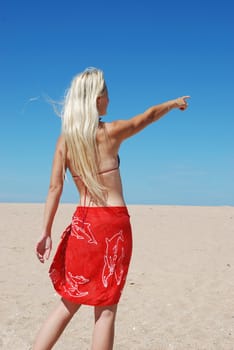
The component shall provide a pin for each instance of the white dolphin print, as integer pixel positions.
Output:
(82, 230)
(113, 259)
(74, 282)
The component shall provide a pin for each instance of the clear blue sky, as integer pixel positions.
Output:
(150, 51)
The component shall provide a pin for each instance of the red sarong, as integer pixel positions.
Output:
(92, 260)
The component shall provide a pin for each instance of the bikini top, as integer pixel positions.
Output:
(106, 171)
(115, 168)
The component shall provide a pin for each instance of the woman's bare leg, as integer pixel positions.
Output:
(103, 335)
(54, 325)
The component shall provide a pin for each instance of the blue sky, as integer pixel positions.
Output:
(150, 51)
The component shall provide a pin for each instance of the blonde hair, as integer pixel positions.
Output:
(80, 119)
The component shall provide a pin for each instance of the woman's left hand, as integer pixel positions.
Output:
(43, 248)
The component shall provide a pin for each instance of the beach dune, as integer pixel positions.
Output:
(179, 293)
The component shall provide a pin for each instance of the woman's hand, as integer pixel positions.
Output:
(181, 102)
(43, 248)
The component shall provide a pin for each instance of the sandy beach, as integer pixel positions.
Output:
(180, 289)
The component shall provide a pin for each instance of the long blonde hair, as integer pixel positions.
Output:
(80, 119)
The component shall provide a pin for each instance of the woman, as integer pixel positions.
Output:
(91, 263)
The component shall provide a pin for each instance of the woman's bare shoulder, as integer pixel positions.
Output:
(120, 128)
(61, 146)
(61, 143)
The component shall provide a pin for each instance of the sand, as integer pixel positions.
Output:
(180, 289)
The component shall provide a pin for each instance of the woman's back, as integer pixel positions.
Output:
(108, 169)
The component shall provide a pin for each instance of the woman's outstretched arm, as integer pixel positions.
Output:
(122, 129)
(44, 245)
